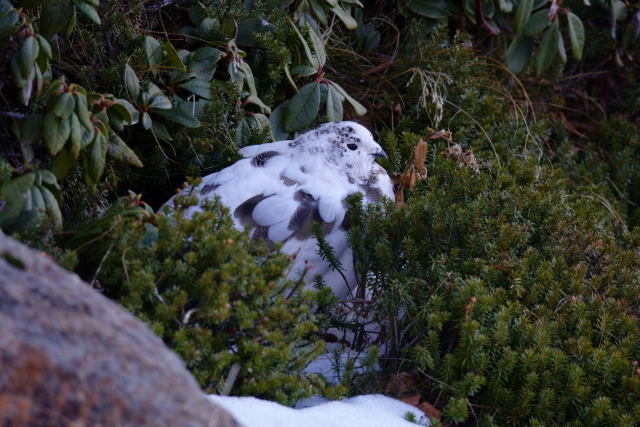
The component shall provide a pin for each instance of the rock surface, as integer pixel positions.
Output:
(71, 357)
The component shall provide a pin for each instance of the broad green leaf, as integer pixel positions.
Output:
(76, 136)
(28, 54)
(153, 49)
(318, 47)
(64, 106)
(576, 35)
(434, 9)
(161, 131)
(28, 129)
(345, 17)
(62, 164)
(55, 16)
(146, 120)
(45, 47)
(537, 23)
(334, 105)
(173, 58)
(89, 11)
(53, 133)
(82, 110)
(159, 102)
(179, 116)
(97, 157)
(519, 52)
(121, 151)
(132, 114)
(19, 79)
(562, 51)
(313, 60)
(198, 87)
(13, 193)
(252, 99)
(243, 133)
(523, 13)
(303, 70)
(302, 108)
(319, 11)
(52, 207)
(357, 107)
(132, 82)
(548, 48)
(276, 120)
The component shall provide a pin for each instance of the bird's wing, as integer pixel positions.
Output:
(252, 150)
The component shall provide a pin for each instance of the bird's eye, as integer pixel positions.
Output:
(352, 146)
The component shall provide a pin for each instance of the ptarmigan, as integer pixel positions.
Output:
(279, 189)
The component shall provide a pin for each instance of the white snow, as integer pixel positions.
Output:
(374, 410)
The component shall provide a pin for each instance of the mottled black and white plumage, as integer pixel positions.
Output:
(279, 189)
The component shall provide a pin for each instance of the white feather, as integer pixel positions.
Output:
(287, 184)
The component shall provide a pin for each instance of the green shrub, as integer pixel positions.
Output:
(215, 296)
(511, 297)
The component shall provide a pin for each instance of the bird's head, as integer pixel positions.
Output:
(348, 146)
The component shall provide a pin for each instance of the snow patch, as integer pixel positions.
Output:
(374, 410)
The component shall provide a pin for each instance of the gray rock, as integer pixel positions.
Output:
(71, 357)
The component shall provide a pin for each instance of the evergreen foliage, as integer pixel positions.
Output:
(216, 298)
(511, 297)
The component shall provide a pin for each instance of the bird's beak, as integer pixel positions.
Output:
(380, 154)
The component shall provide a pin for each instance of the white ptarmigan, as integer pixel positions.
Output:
(279, 189)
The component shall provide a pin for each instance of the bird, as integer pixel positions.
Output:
(278, 189)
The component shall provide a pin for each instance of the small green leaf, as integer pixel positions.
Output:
(64, 106)
(179, 116)
(52, 207)
(153, 49)
(146, 120)
(62, 164)
(55, 16)
(313, 60)
(121, 151)
(160, 131)
(537, 23)
(173, 57)
(576, 35)
(29, 129)
(276, 120)
(89, 11)
(318, 47)
(334, 105)
(303, 70)
(243, 133)
(54, 133)
(302, 108)
(28, 54)
(434, 9)
(97, 157)
(345, 17)
(523, 13)
(14, 193)
(357, 107)
(519, 52)
(159, 102)
(76, 136)
(132, 82)
(198, 87)
(548, 48)
(562, 51)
